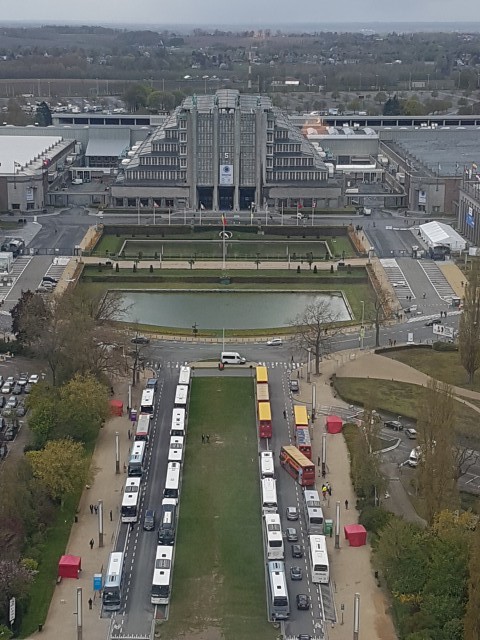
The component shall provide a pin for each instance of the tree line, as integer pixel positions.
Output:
(74, 335)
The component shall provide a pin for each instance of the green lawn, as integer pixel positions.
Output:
(403, 399)
(219, 563)
(206, 245)
(444, 366)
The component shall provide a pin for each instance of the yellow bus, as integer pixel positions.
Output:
(263, 394)
(261, 374)
(300, 415)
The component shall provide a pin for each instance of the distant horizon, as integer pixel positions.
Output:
(379, 26)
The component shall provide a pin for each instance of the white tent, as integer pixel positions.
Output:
(439, 234)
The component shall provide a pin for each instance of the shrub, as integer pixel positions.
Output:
(373, 518)
(444, 346)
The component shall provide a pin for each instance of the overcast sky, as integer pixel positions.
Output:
(254, 12)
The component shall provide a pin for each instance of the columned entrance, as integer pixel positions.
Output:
(225, 198)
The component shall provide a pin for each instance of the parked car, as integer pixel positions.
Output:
(2, 402)
(140, 340)
(28, 387)
(12, 401)
(297, 551)
(430, 323)
(303, 601)
(17, 389)
(20, 410)
(49, 279)
(1, 381)
(292, 535)
(34, 378)
(23, 379)
(275, 342)
(411, 434)
(296, 573)
(292, 513)
(10, 380)
(396, 425)
(294, 386)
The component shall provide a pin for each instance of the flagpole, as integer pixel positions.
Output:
(313, 210)
(153, 213)
(282, 213)
(138, 210)
(223, 243)
(169, 212)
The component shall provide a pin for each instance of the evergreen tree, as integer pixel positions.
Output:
(44, 115)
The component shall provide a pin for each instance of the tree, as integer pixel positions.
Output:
(43, 115)
(471, 621)
(43, 416)
(380, 97)
(392, 107)
(83, 407)
(469, 331)
(14, 582)
(136, 96)
(61, 467)
(314, 329)
(437, 471)
(29, 317)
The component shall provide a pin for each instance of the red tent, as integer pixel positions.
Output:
(69, 566)
(334, 424)
(356, 534)
(116, 407)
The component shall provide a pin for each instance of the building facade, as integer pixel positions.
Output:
(227, 151)
(468, 219)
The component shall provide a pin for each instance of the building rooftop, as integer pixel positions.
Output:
(227, 99)
(24, 154)
(445, 152)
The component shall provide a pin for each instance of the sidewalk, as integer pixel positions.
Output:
(351, 569)
(105, 485)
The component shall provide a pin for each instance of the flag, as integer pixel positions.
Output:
(224, 222)
(314, 203)
(202, 208)
(474, 166)
(155, 204)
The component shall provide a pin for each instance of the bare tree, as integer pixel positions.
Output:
(314, 329)
(437, 469)
(102, 307)
(463, 460)
(469, 333)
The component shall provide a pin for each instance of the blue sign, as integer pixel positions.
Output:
(469, 217)
(97, 582)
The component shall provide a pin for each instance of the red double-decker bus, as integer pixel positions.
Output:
(264, 420)
(304, 444)
(298, 465)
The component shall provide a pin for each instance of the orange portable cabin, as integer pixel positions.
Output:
(304, 444)
(334, 424)
(264, 420)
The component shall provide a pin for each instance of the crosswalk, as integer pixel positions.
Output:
(7, 282)
(56, 269)
(288, 366)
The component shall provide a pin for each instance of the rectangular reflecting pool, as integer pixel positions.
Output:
(229, 309)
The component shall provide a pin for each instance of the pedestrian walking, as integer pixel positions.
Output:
(111, 516)
(95, 508)
(329, 488)
(424, 295)
(129, 434)
(131, 526)
(346, 505)
(91, 508)
(90, 603)
(323, 472)
(284, 414)
(112, 391)
(91, 543)
(124, 468)
(208, 438)
(394, 343)
(203, 438)
(318, 461)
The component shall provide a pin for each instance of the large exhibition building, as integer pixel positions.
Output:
(226, 151)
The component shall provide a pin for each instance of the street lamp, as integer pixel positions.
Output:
(362, 327)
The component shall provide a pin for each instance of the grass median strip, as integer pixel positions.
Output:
(219, 564)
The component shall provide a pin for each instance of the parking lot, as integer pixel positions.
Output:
(17, 378)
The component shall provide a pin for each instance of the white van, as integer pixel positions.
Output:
(231, 357)
(267, 467)
(414, 458)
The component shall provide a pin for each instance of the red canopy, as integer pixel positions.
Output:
(116, 407)
(334, 424)
(356, 534)
(69, 566)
